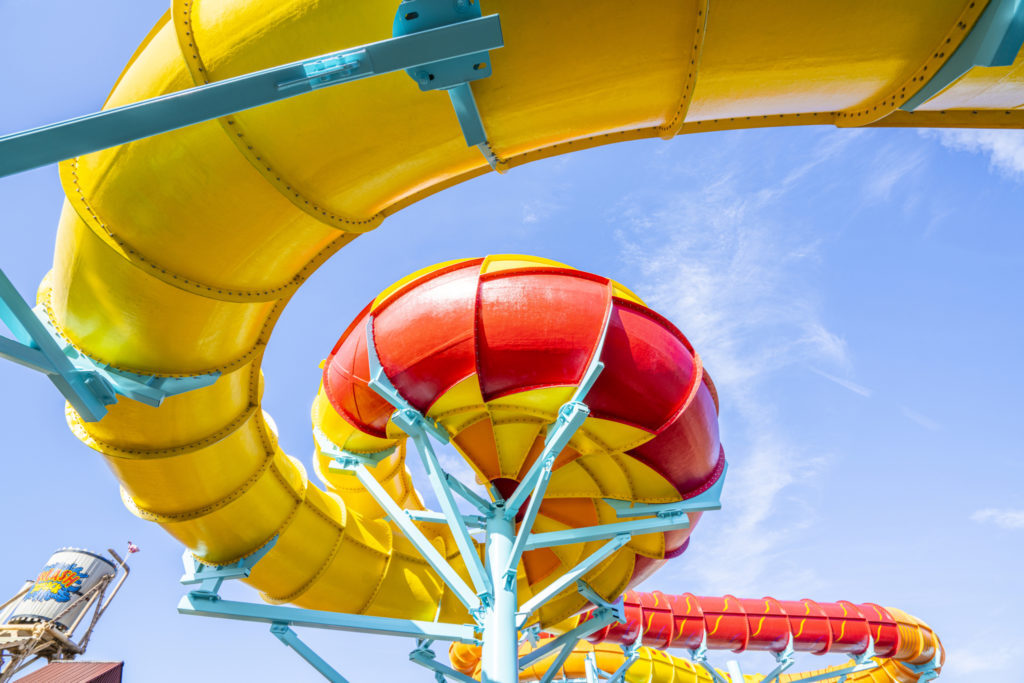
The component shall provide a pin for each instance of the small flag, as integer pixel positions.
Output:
(132, 548)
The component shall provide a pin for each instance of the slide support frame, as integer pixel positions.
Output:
(491, 592)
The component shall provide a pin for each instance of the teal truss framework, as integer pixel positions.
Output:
(499, 620)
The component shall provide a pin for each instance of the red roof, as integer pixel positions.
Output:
(76, 672)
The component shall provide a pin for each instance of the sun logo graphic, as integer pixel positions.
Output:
(58, 582)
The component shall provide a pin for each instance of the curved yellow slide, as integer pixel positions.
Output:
(176, 254)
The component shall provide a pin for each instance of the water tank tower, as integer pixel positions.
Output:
(73, 588)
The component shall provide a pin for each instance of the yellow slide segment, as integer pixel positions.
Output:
(176, 254)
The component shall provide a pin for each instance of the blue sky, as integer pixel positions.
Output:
(856, 295)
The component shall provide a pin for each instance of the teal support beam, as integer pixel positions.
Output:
(708, 500)
(25, 355)
(564, 430)
(211, 577)
(571, 576)
(555, 668)
(472, 522)
(783, 661)
(334, 621)
(590, 668)
(839, 675)
(632, 652)
(88, 385)
(456, 522)
(656, 518)
(287, 636)
(468, 494)
(602, 532)
(699, 656)
(58, 141)
(453, 75)
(928, 671)
(570, 419)
(419, 428)
(472, 125)
(602, 617)
(35, 348)
(500, 663)
(440, 565)
(406, 416)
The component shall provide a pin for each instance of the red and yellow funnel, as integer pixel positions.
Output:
(491, 348)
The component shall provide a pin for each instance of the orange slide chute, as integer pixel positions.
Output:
(897, 641)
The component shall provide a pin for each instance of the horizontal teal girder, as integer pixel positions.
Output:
(49, 144)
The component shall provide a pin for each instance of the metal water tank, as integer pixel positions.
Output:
(69, 574)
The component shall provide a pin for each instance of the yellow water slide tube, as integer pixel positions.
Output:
(176, 254)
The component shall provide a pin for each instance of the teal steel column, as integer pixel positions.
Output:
(500, 662)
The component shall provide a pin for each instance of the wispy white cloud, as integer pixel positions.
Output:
(829, 345)
(539, 210)
(844, 383)
(892, 166)
(1005, 518)
(926, 422)
(729, 277)
(1005, 148)
(828, 148)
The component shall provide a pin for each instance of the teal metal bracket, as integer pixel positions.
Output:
(211, 577)
(425, 656)
(346, 460)
(783, 661)
(866, 661)
(422, 48)
(606, 614)
(862, 662)
(711, 499)
(631, 652)
(595, 675)
(699, 656)
(928, 671)
(452, 75)
(570, 577)
(88, 385)
(995, 40)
